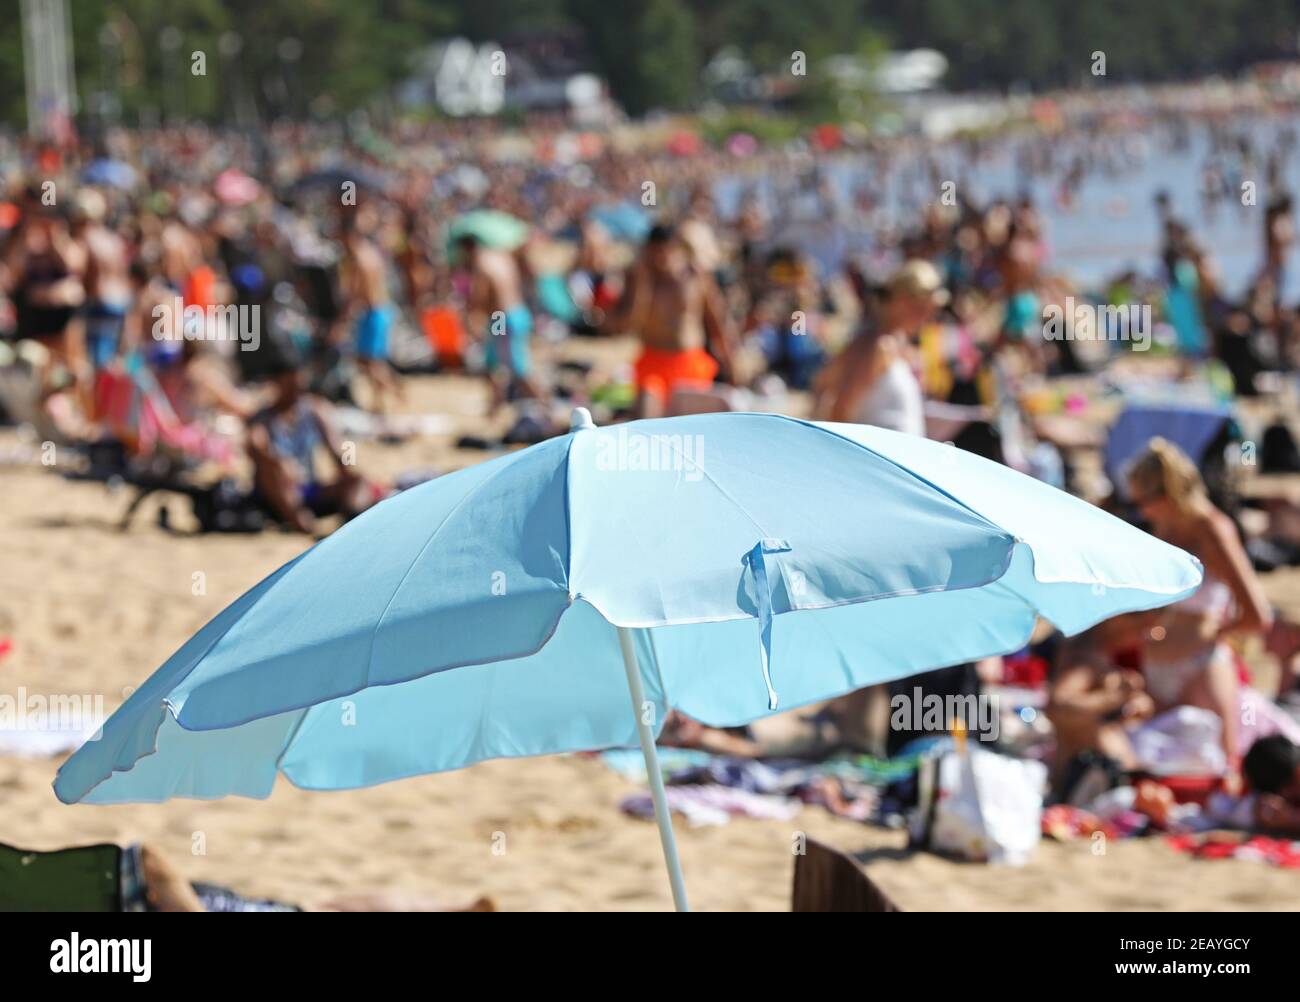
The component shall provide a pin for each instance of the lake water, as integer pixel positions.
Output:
(1112, 223)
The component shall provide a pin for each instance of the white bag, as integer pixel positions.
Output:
(980, 806)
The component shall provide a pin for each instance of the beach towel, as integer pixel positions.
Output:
(1260, 849)
(1183, 741)
(712, 804)
(1260, 717)
(630, 763)
(847, 786)
(41, 743)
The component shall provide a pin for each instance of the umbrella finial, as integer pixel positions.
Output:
(580, 419)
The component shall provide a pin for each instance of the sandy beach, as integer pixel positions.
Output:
(93, 610)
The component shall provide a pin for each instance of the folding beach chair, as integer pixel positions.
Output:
(827, 880)
(98, 878)
(85, 878)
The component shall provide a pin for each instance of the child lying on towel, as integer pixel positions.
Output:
(1272, 770)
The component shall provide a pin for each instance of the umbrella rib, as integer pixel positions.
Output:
(293, 735)
(820, 426)
(676, 447)
(897, 465)
(472, 492)
(568, 515)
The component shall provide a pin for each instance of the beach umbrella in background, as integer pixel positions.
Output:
(492, 228)
(1193, 422)
(334, 177)
(741, 144)
(567, 596)
(827, 137)
(684, 143)
(110, 173)
(235, 188)
(625, 221)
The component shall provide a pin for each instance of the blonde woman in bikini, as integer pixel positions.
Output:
(1184, 656)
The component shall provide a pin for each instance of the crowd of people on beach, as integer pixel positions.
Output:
(199, 310)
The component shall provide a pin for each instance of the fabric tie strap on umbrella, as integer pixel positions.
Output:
(763, 592)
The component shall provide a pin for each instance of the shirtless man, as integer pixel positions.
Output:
(677, 310)
(182, 253)
(496, 306)
(365, 290)
(105, 276)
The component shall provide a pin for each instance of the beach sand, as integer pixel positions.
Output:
(93, 610)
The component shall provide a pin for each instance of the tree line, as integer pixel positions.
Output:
(326, 56)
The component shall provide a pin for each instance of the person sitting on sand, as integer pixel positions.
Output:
(1092, 701)
(283, 439)
(1184, 657)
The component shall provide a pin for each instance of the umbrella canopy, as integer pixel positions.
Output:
(741, 144)
(491, 227)
(625, 221)
(729, 564)
(334, 177)
(234, 187)
(109, 172)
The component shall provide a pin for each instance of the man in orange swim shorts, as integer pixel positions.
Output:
(677, 310)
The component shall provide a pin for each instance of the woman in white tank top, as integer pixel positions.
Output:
(873, 383)
(893, 400)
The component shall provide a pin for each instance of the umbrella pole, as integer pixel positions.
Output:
(662, 816)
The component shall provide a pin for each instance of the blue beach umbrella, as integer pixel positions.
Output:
(333, 176)
(725, 565)
(110, 173)
(623, 221)
(491, 227)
